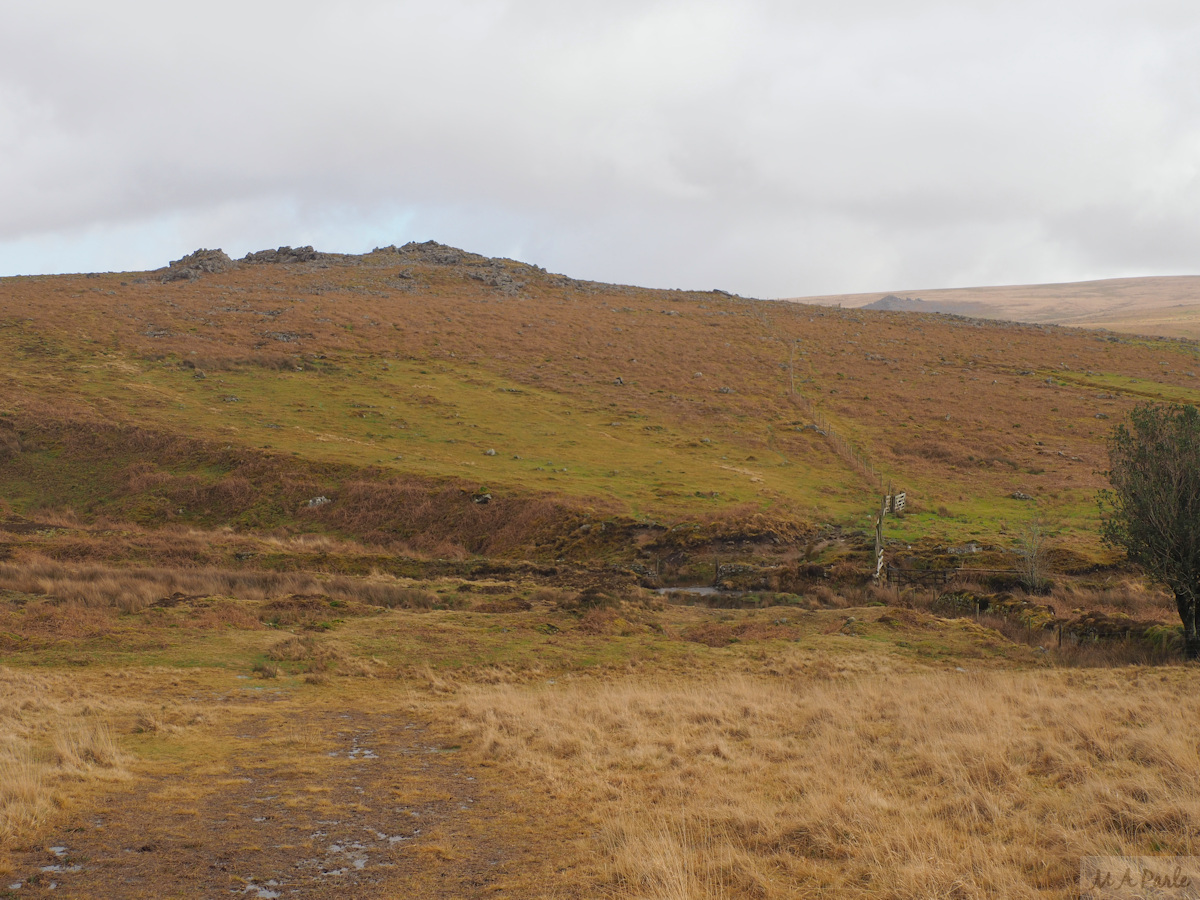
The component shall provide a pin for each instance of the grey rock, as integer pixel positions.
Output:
(282, 255)
(433, 253)
(197, 263)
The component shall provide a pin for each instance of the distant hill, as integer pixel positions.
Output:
(1161, 305)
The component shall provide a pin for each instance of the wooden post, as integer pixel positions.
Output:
(879, 539)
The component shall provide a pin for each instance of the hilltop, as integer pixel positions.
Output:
(449, 404)
(1164, 305)
(390, 575)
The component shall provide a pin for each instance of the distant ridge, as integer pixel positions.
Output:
(893, 303)
(1167, 305)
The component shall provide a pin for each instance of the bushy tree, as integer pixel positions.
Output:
(1153, 509)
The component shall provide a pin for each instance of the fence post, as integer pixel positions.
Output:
(879, 539)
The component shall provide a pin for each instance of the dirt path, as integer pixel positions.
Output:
(370, 806)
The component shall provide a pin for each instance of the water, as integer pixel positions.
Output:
(262, 893)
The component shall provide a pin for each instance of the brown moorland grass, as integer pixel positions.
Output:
(420, 379)
(97, 587)
(875, 784)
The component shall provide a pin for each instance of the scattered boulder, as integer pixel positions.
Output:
(197, 263)
(495, 276)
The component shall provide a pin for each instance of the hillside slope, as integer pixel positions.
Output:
(464, 404)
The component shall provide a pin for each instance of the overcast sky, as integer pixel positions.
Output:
(769, 148)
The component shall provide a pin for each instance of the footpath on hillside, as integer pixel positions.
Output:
(377, 806)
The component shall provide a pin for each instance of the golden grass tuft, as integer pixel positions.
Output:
(85, 746)
(25, 799)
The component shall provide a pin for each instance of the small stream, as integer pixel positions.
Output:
(700, 591)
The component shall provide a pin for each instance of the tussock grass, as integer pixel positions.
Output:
(943, 784)
(129, 589)
(1123, 597)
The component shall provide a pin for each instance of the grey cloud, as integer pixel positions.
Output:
(767, 147)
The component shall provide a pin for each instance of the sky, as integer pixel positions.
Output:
(769, 148)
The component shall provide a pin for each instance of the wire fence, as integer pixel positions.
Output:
(846, 451)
